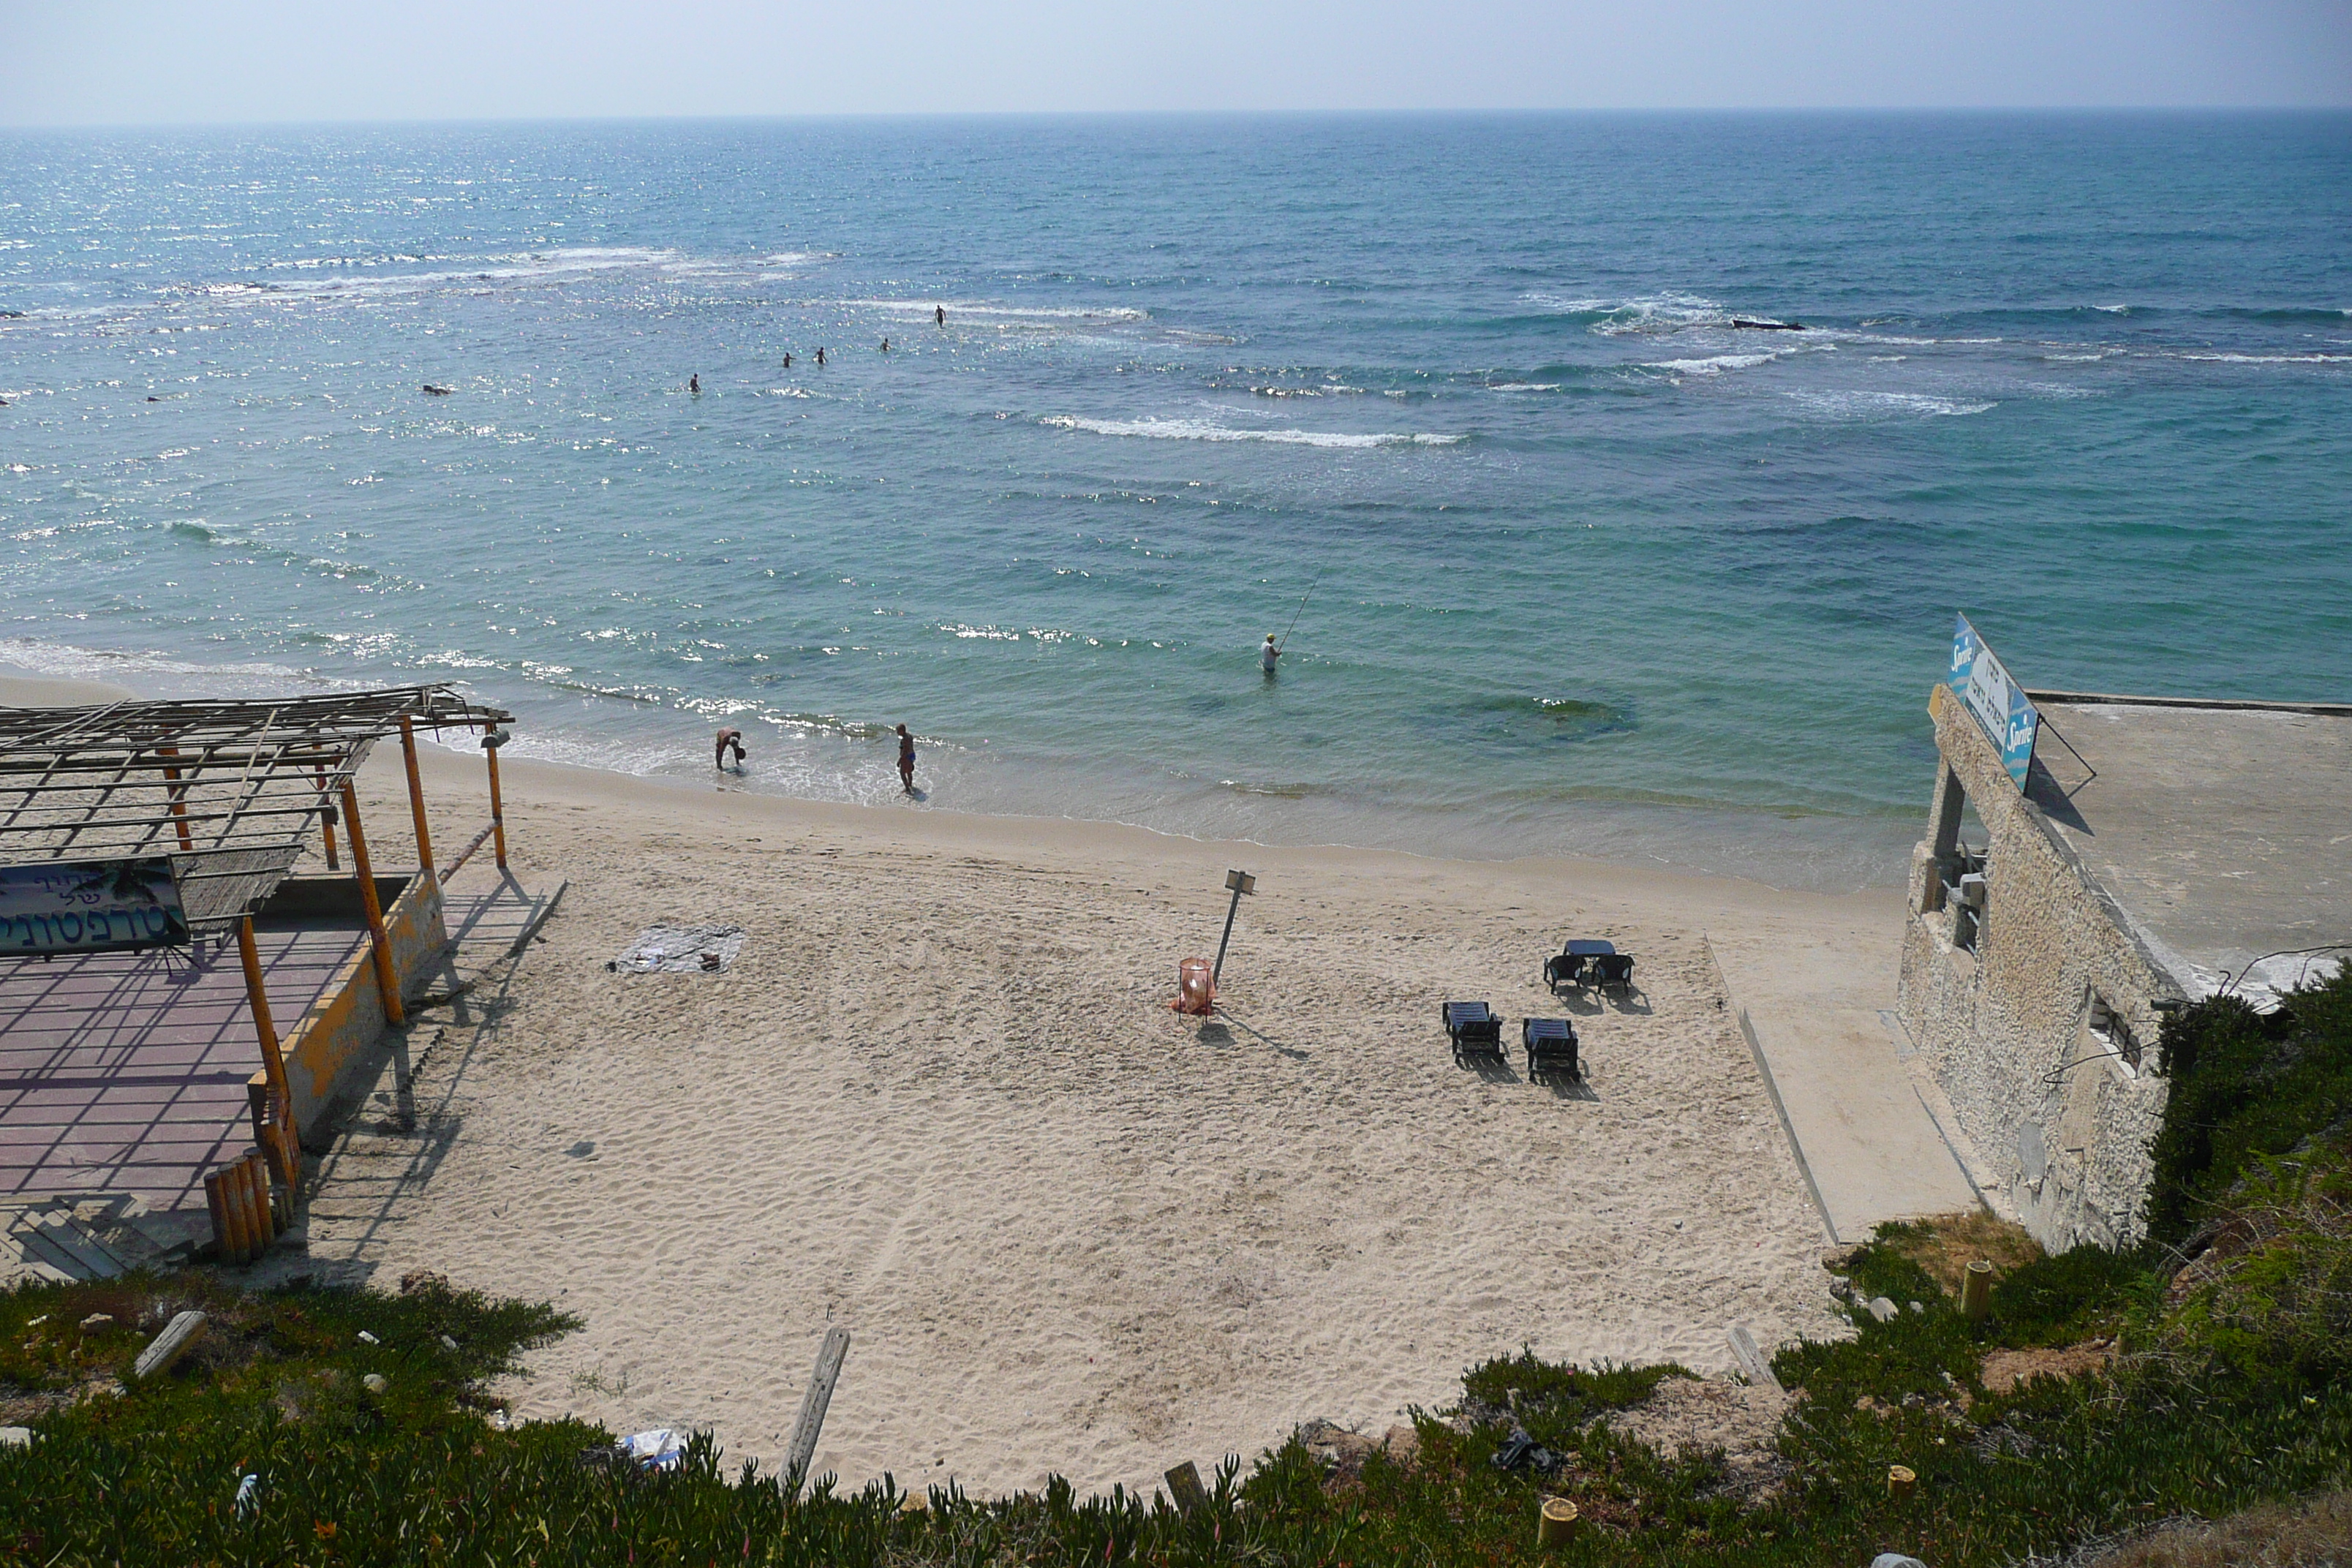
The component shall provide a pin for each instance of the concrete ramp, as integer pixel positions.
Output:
(1817, 1016)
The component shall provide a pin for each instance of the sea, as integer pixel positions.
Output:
(1612, 481)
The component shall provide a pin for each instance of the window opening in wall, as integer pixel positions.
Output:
(1960, 863)
(2109, 1028)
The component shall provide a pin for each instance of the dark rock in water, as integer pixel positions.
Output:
(12, 315)
(436, 391)
(1768, 326)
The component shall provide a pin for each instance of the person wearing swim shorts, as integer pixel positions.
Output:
(905, 760)
(728, 738)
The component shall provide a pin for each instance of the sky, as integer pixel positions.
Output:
(240, 61)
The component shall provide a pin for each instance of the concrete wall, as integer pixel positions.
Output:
(334, 1049)
(2064, 1127)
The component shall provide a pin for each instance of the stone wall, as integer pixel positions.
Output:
(2064, 1124)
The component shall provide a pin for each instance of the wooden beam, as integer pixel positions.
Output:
(273, 1059)
(327, 821)
(803, 1452)
(497, 807)
(179, 794)
(387, 984)
(416, 798)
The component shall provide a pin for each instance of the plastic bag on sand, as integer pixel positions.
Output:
(661, 1449)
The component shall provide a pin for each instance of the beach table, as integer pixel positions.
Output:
(1575, 961)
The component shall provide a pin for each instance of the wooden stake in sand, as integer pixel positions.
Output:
(1752, 1361)
(1900, 1479)
(829, 1357)
(1184, 1486)
(1554, 1520)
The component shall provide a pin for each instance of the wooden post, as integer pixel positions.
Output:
(803, 1452)
(259, 1224)
(179, 794)
(184, 1330)
(273, 1062)
(216, 1200)
(273, 1219)
(327, 822)
(1900, 1479)
(387, 984)
(1184, 1487)
(1976, 1289)
(416, 800)
(1554, 1520)
(235, 1234)
(497, 810)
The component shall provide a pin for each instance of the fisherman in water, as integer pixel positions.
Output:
(1268, 653)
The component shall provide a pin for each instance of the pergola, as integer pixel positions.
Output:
(228, 792)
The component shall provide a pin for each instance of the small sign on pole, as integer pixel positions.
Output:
(1240, 882)
(90, 906)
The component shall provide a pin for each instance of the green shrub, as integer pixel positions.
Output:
(2244, 1085)
(2072, 1297)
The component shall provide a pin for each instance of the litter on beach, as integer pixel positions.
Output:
(681, 950)
(660, 1449)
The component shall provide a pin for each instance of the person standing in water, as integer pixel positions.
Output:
(727, 739)
(885, 345)
(1267, 654)
(788, 359)
(906, 760)
(820, 356)
(694, 384)
(939, 314)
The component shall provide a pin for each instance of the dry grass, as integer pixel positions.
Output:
(1947, 1244)
(2314, 1533)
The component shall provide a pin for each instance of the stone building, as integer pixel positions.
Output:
(2157, 851)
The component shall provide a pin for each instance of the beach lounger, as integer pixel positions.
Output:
(1614, 972)
(1551, 1044)
(1473, 1026)
(1574, 963)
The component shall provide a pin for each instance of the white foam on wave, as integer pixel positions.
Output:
(2268, 359)
(1664, 313)
(956, 308)
(1527, 387)
(1870, 404)
(1715, 364)
(1202, 430)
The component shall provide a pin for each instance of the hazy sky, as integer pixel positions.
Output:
(133, 61)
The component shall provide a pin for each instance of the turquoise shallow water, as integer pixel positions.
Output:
(1594, 568)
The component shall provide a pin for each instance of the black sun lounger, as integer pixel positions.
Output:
(1614, 972)
(1551, 1044)
(1473, 1026)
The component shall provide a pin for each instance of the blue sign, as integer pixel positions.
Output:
(1985, 690)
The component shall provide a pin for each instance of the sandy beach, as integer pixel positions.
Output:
(939, 1098)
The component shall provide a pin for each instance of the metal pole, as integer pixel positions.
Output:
(1231, 910)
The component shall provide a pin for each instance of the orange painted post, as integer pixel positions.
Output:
(265, 1201)
(416, 800)
(216, 1200)
(387, 985)
(498, 808)
(273, 1061)
(178, 793)
(327, 822)
(235, 1234)
(254, 1185)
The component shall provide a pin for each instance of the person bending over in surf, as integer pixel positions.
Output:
(728, 738)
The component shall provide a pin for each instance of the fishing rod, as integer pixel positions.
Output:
(1302, 608)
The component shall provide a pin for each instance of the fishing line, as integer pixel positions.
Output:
(1302, 608)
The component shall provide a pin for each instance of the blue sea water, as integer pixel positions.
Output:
(1592, 569)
